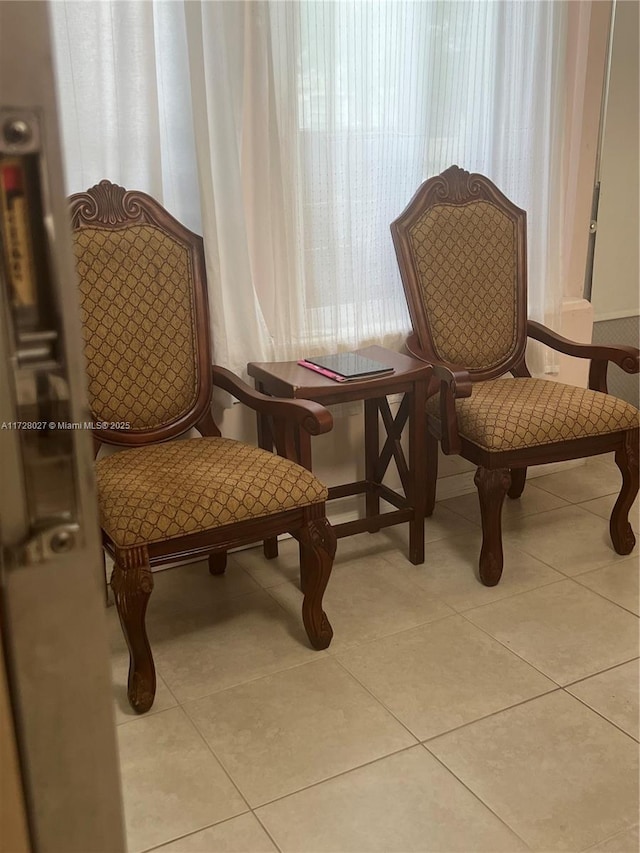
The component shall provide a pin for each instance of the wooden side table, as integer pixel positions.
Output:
(410, 378)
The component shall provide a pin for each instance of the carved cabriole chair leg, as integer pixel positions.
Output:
(627, 461)
(132, 583)
(218, 562)
(518, 478)
(432, 473)
(492, 487)
(317, 550)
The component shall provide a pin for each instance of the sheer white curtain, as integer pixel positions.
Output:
(292, 133)
(373, 98)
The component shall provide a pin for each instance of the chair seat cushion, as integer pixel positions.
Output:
(169, 490)
(508, 414)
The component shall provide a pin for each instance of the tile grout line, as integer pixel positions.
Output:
(312, 661)
(476, 796)
(366, 640)
(610, 838)
(602, 716)
(504, 645)
(442, 600)
(146, 716)
(488, 716)
(524, 550)
(511, 595)
(602, 595)
(595, 710)
(572, 502)
(563, 579)
(271, 838)
(520, 517)
(557, 689)
(342, 773)
(569, 503)
(360, 644)
(253, 808)
(600, 672)
(336, 776)
(250, 811)
(546, 675)
(210, 826)
(212, 750)
(192, 832)
(216, 758)
(251, 680)
(369, 641)
(378, 701)
(553, 689)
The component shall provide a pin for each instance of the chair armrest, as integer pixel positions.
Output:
(456, 376)
(309, 416)
(627, 358)
(455, 383)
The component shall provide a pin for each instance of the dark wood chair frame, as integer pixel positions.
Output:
(108, 206)
(501, 473)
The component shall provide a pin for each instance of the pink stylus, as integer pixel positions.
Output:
(323, 370)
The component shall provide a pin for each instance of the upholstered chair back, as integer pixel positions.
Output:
(461, 249)
(143, 312)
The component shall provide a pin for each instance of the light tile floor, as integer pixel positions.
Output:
(445, 716)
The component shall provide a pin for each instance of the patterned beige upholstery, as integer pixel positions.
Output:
(163, 491)
(507, 414)
(137, 317)
(461, 272)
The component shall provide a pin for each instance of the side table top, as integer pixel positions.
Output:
(289, 379)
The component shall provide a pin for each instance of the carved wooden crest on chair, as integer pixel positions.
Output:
(461, 249)
(147, 342)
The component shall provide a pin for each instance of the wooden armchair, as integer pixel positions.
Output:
(147, 345)
(461, 248)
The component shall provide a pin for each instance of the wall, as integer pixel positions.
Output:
(588, 40)
(616, 270)
(588, 24)
(616, 295)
